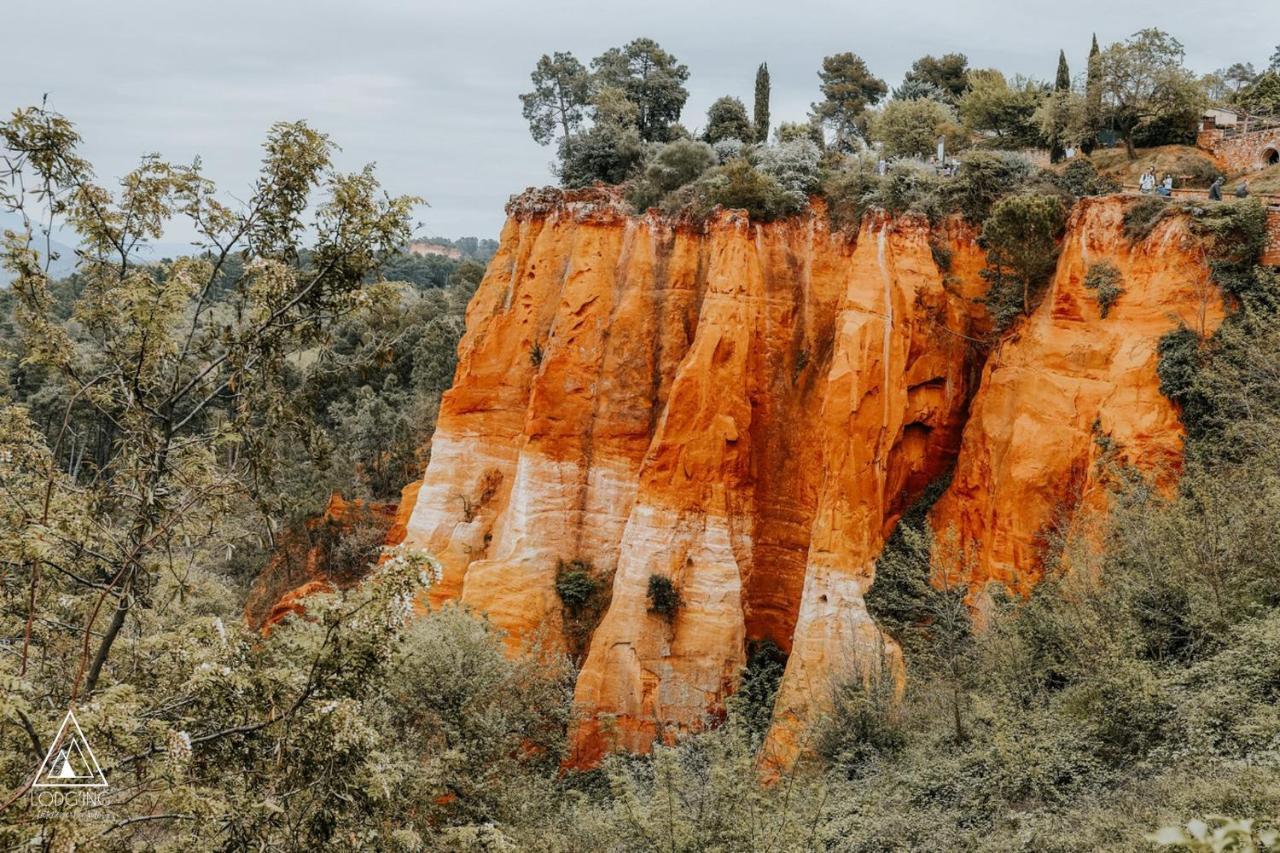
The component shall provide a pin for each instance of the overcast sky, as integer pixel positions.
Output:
(427, 90)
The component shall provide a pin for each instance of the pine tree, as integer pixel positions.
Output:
(1093, 96)
(761, 112)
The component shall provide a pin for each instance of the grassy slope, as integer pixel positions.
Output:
(1190, 166)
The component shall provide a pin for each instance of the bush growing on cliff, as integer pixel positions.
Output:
(663, 597)
(1081, 178)
(984, 177)
(674, 165)
(794, 165)
(1021, 237)
(751, 705)
(910, 187)
(584, 597)
(736, 185)
(850, 192)
(1142, 216)
(1104, 279)
(609, 152)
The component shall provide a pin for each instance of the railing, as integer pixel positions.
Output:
(1251, 124)
(1271, 200)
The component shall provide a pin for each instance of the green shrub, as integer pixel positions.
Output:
(984, 177)
(1235, 233)
(900, 596)
(751, 705)
(575, 584)
(664, 598)
(675, 164)
(1104, 279)
(911, 188)
(1021, 237)
(1081, 178)
(584, 597)
(736, 185)
(850, 192)
(1142, 216)
(941, 256)
(608, 152)
(864, 722)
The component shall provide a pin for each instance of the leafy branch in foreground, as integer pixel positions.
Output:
(190, 388)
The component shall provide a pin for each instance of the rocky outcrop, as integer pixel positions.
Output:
(743, 409)
(1070, 395)
(334, 550)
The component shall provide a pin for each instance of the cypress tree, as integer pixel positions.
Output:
(762, 103)
(1063, 83)
(1093, 96)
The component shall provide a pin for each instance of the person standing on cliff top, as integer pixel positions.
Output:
(1147, 182)
(1215, 189)
(1242, 191)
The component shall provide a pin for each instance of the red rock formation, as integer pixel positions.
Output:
(744, 410)
(303, 563)
(1068, 386)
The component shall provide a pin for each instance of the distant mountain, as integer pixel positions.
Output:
(66, 261)
(62, 266)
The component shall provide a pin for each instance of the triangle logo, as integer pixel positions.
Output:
(70, 762)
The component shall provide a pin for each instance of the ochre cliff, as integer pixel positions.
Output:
(1069, 387)
(746, 409)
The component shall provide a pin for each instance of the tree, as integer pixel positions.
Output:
(727, 119)
(1061, 84)
(1263, 96)
(651, 79)
(1239, 75)
(848, 88)
(914, 90)
(994, 106)
(612, 150)
(1093, 96)
(609, 152)
(1274, 63)
(561, 92)
(177, 380)
(912, 128)
(1021, 237)
(1062, 120)
(1144, 83)
(949, 73)
(761, 111)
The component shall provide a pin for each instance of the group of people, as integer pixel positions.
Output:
(1215, 189)
(1147, 184)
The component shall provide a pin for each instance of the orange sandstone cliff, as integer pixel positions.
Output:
(746, 409)
(1069, 387)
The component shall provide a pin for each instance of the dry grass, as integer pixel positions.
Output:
(1189, 166)
(1266, 181)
